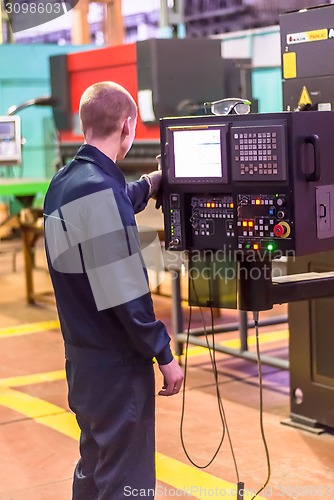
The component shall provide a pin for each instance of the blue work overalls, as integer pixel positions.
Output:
(107, 322)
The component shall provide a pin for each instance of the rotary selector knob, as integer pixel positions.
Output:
(175, 242)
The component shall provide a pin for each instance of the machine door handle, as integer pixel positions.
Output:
(315, 175)
(323, 211)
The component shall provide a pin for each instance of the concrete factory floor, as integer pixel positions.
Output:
(38, 434)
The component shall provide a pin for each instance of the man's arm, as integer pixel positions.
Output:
(138, 192)
(149, 336)
(141, 191)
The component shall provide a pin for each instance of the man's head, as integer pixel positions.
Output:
(108, 113)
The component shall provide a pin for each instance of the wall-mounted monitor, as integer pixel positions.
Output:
(10, 140)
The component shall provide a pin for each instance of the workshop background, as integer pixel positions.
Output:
(156, 49)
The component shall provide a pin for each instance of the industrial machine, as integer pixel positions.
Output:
(155, 73)
(308, 84)
(10, 140)
(239, 191)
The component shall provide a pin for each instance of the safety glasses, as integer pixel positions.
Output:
(227, 106)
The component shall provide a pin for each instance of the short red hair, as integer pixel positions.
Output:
(103, 106)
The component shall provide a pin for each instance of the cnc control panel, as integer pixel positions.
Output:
(243, 182)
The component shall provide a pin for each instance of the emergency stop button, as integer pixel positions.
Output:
(282, 230)
(278, 231)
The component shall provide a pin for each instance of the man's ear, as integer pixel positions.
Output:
(126, 127)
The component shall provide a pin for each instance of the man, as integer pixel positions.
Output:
(104, 304)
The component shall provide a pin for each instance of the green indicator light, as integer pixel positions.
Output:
(171, 211)
(247, 245)
(276, 195)
(270, 247)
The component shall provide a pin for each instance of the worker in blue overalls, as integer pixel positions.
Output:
(104, 303)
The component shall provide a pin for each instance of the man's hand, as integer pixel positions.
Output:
(154, 180)
(173, 378)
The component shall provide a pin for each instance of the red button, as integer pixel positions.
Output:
(278, 230)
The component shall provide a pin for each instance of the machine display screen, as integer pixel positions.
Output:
(7, 130)
(197, 153)
(10, 140)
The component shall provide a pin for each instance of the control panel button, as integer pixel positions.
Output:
(174, 200)
(282, 230)
(278, 230)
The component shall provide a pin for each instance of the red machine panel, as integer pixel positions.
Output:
(117, 64)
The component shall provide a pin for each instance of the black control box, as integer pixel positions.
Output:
(260, 182)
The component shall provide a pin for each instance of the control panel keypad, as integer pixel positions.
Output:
(212, 215)
(258, 153)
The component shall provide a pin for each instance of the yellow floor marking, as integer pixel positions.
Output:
(35, 378)
(176, 474)
(27, 329)
(38, 378)
(29, 406)
(195, 482)
(30, 328)
(65, 423)
(265, 338)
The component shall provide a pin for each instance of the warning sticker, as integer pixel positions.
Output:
(304, 97)
(289, 65)
(309, 36)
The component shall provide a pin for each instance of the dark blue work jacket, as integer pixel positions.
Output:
(95, 266)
